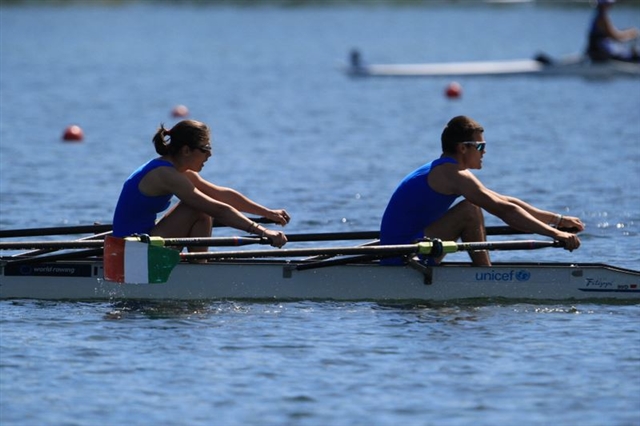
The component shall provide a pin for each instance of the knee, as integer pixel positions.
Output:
(203, 218)
(470, 211)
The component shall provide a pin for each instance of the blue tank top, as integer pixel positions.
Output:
(135, 212)
(598, 41)
(601, 46)
(413, 206)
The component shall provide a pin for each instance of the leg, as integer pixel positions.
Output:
(183, 221)
(464, 221)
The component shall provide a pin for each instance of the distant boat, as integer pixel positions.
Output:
(570, 65)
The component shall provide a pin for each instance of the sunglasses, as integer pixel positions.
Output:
(205, 149)
(479, 145)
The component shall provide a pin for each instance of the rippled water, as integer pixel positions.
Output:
(290, 130)
(318, 363)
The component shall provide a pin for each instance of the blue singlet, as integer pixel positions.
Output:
(413, 206)
(135, 212)
(601, 46)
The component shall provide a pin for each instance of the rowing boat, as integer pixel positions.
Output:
(571, 65)
(261, 280)
(152, 268)
(286, 279)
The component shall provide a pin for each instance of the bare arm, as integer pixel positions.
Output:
(619, 35)
(546, 216)
(236, 199)
(516, 213)
(168, 180)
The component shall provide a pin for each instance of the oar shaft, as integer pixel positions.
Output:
(424, 248)
(173, 242)
(213, 241)
(332, 251)
(83, 229)
(39, 252)
(452, 247)
(32, 260)
(24, 245)
(328, 236)
(221, 241)
(309, 237)
(61, 230)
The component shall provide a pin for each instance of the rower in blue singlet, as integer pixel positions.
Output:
(183, 150)
(422, 205)
(605, 40)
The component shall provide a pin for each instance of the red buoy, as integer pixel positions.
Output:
(73, 134)
(180, 111)
(454, 90)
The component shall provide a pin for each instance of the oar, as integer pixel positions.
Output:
(98, 228)
(39, 252)
(175, 242)
(60, 230)
(32, 260)
(426, 248)
(372, 235)
(214, 241)
(191, 242)
(83, 229)
(323, 262)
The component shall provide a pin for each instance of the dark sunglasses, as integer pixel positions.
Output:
(479, 145)
(205, 149)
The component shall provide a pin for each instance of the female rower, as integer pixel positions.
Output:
(183, 151)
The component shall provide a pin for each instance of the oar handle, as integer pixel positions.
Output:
(437, 248)
(214, 241)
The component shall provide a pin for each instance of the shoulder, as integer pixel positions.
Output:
(460, 177)
(192, 176)
(447, 178)
(156, 164)
(165, 174)
(163, 167)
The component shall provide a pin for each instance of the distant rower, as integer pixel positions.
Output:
(605, 39)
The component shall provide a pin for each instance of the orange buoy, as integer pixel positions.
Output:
(73, 134)
(180, 111)
(454, 90)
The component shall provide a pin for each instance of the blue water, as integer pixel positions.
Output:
(292, 131)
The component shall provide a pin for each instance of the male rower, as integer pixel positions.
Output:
(421, 205)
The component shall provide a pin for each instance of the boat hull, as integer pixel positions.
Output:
(573, 66)
(281, 280)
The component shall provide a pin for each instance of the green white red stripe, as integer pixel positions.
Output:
(128, 260)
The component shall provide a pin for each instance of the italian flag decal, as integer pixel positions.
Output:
(128, 260)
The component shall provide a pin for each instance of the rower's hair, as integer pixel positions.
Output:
(458, 129)
(189, 133)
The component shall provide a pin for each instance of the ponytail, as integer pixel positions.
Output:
(162, 140)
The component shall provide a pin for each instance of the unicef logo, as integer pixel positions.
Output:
(523, 275)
